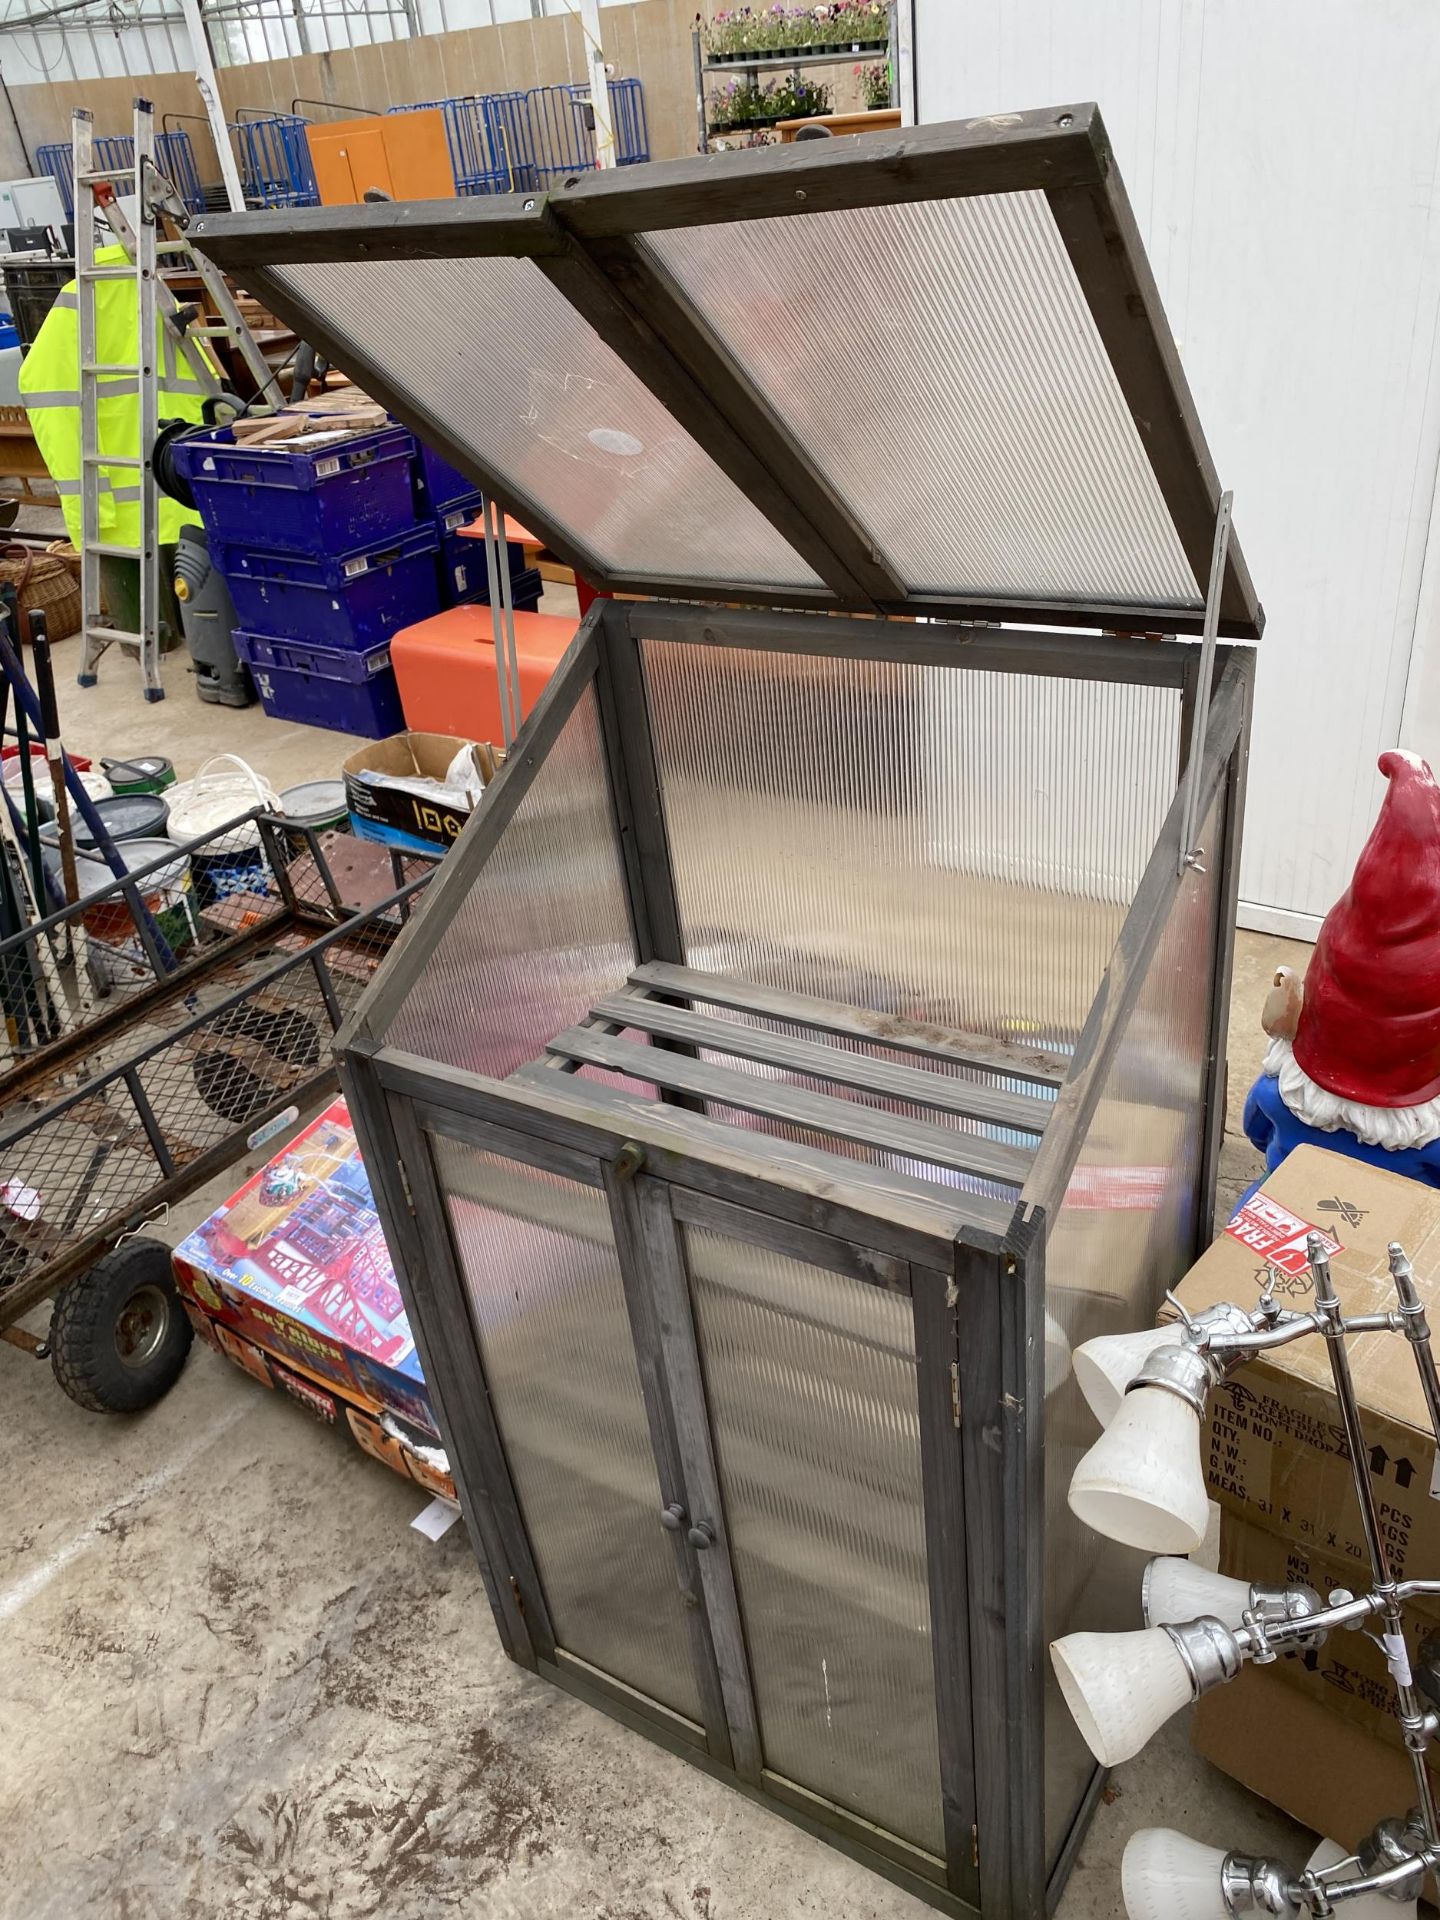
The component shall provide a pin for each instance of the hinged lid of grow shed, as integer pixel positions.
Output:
(914, 373)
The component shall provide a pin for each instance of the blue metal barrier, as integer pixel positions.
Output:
(175, 157)
(275, 162)
(115, 155)
(563, 124)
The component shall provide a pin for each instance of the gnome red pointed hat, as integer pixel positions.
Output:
(1369, 1028)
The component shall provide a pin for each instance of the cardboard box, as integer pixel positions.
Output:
(379, 810)
(1347, 1676)
(1277, 1454)
(1323, 1771)
(291, 1280)
(294, 1273)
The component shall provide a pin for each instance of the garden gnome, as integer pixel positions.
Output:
(1354, 1056)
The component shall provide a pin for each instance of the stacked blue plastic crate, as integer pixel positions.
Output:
(451, 499)
(326, 555)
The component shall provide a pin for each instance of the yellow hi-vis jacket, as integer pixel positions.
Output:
(50, 388)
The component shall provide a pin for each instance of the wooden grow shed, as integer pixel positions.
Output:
(820, 1029)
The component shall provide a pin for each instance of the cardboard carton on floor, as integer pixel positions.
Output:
(1323, 1771)
(1276, 1450)
(382, 807)
(1347, 1675)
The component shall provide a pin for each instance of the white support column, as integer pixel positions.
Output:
(599, 85)
(210, 94)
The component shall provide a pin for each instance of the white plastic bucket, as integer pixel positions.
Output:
(234, 863)
(95, 784)
(116, 949)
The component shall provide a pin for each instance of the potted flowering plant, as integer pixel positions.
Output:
(733, 35)
(874, 84)
(744, 103)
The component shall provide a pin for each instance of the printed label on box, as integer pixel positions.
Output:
(358, 565)
(1277, 1235)
(324, 468)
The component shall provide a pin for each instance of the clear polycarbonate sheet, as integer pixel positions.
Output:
(936, 842)
(544, 929)
(1124, 1233)
(543, 1281)
(811, 1383)
(518, 376)
(939, 363)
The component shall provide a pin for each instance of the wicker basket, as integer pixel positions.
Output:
(63, 550)
(43, 581)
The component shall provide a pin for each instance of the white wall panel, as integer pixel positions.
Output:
(1282, 162)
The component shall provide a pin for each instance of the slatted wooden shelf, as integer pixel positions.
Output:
(674, 1064)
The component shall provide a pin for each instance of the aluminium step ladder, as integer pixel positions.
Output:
(164, 330)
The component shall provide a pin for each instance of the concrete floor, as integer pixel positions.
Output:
(237, 1681)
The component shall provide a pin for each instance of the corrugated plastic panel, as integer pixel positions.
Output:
(811, 1382)
(544, 930)
(543, 1280)
(541, 399)
(1124, 1233)
(948, 845)
(940, 364)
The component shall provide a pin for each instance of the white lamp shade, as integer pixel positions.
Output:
(1366, 1906)
(1174, 1590)
(1165, 1875)
(1141, 1483)
(1105, 1367)
(1121, 1688)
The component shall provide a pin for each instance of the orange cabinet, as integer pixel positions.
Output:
(405, 155)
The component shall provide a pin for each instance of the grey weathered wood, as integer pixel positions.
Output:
(459, 1380)
(1108, 657)
(1005, 153)
(371, 1118)
(797, 1106)
(462, 866)
(1105, 248)
(925, 1866)
(670, 1289)
(885, 1078)
(636, 779)
(937, 1355)
(857, 1839)
(505, 225)
(982, 1439)
(859, 1023)
(842, 552)
(638, 1710)
(709, 402)
(877, 1205)
(783, 1236)
(1129, 963)
(1226, 906)
(1022, 1452)
(662, 1397)
(532, 1149)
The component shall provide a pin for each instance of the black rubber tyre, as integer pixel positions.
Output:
(119, 1334)
(227, 1085)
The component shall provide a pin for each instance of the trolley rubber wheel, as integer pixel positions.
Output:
(119, 1334)
(231, 1088)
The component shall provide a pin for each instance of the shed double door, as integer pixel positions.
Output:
(708, 1426)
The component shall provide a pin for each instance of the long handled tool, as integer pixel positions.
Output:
(41, 1020)
(55, 760)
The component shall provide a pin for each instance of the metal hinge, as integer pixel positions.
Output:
(974, 1846)
(405, 1183)
(955, 1394)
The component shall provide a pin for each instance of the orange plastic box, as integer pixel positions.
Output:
(445, 668)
